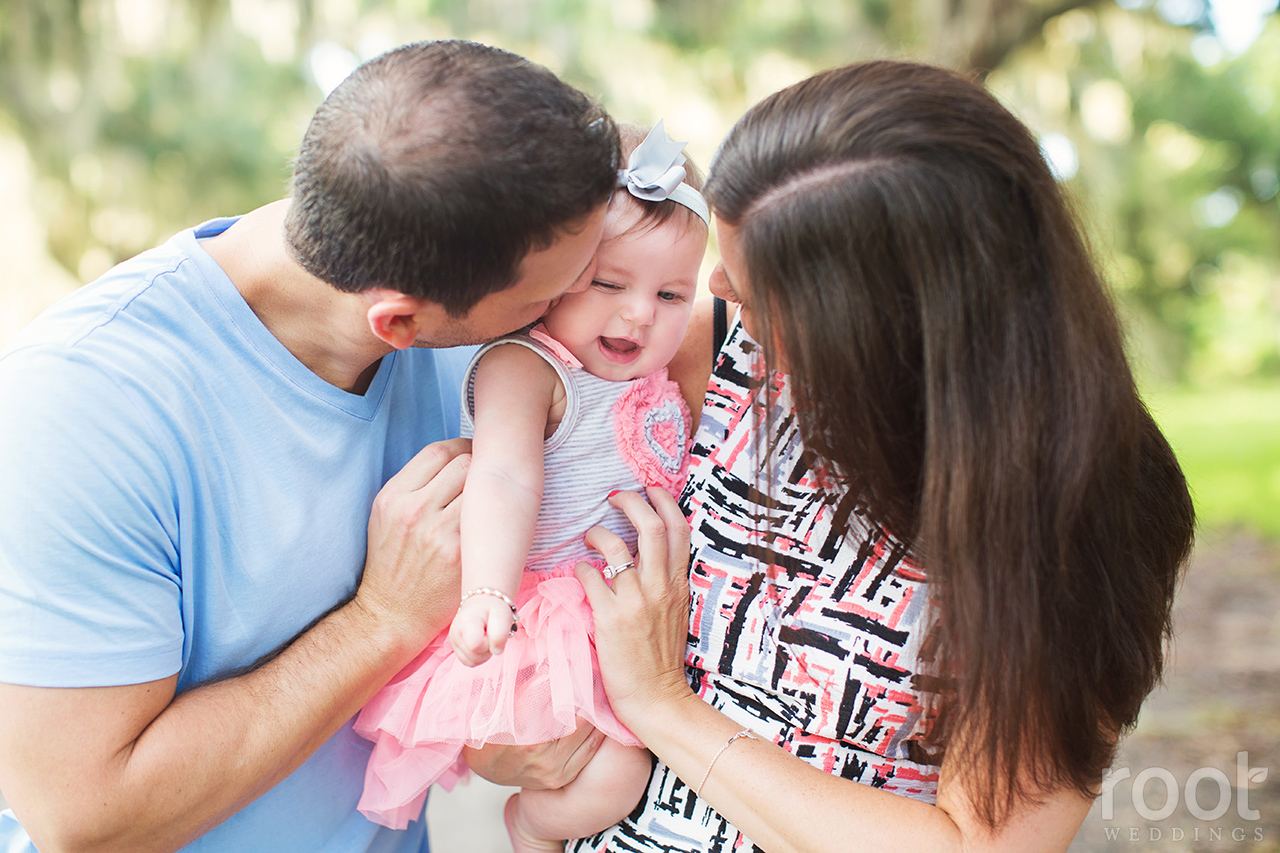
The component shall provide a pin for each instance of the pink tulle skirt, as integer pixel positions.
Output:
(534, 692)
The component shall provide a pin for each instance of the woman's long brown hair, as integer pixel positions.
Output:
(954, 354)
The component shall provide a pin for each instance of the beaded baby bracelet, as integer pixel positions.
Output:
(496, 593)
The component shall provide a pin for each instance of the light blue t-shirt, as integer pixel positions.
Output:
(178, 493)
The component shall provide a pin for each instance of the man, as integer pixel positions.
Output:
(190, 446)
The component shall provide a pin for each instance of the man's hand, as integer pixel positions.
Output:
(140, 768)
(544, 766)
(411, 572)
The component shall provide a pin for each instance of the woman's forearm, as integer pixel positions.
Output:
(784, 804)
(777, 800)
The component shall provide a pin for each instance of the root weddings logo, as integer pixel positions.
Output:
(1204, 806)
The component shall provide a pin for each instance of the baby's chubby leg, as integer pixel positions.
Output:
(605, 792)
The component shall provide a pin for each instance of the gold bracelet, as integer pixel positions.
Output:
(744, 733)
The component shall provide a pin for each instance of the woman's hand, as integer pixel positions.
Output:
(642, 621)
(781, 802)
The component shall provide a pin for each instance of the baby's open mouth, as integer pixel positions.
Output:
(619, 345)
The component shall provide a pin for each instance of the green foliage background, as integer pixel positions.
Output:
(141, 117)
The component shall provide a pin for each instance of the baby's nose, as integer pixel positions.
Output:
(638, 311)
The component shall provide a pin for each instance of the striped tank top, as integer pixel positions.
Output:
(613, 436)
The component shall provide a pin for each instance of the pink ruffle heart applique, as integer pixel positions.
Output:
(651, 423)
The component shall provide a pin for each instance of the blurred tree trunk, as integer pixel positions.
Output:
(969, 36)
(977, 35)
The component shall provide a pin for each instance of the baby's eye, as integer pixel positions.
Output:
(606, 286)
(669, 296)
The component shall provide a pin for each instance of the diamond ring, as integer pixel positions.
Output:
(612, 572)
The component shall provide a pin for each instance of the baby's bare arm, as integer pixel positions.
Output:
(514, 391)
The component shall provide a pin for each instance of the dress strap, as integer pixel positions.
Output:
(571, 391)
(719, 325)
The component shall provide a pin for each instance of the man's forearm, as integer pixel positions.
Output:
(208, 753)
(137, 768)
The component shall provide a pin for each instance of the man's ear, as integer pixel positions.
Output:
(395, 317)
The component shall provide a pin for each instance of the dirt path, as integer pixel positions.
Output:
(1221, 698)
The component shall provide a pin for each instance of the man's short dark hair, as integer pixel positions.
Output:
(436, 167)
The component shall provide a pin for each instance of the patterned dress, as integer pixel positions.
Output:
(805, 625)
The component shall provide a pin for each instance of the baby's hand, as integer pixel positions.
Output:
(480, 629)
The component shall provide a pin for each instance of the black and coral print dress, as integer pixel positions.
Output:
(805, 626)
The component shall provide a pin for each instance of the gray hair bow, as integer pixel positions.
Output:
(655, 172)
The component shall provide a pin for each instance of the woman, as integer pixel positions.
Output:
(935, 532)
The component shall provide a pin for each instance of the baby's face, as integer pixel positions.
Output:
(632, 318)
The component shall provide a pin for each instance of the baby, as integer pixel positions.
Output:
(562, 416)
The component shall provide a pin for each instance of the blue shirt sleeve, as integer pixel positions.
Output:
(90, 587)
